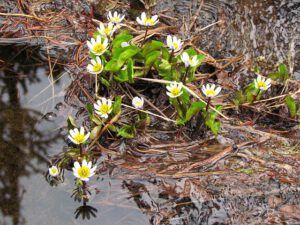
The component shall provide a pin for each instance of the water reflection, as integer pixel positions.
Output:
(23, 146)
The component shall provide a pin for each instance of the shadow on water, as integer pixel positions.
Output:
(23, 146)
(253, 28)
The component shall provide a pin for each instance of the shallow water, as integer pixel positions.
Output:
(33, 115)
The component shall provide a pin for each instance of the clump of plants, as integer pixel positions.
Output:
(117, 61)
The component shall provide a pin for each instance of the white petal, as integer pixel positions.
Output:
(93, 41)
(89, 165)
(81, 130)
(84, 163)
(75, 142)
(77, 165)
(143, 16)
(213, 86)
(154, 18)
(89, 44)
(86, 136)
(218, 89)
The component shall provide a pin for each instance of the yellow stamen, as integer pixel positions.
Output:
(98, 48)
(261, 84)
(149, 21)
(54, 170)
(210, 92)
(84, 172)
(104, 109)
(98, 67)
(175, 45)
(79, 138)
(175, 91)
(107, 30)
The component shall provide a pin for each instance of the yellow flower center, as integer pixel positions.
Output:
(104, 109)
(98, 48)
(261, 84)
(175, 45)
(54, 170)
(107, 30)
(84, 172)
(116, 19)
(175, 91)
(149, 21)
(210, 92)
(79, 138)
(97, 67)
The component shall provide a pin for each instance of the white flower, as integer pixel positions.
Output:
(211, 90)
(138, 102)
(174, 43)
(78, 137)
(124, 44)
(85, 171)
(97, 46)
(107, 31)
(115, 17)
(147, 21)
(96, 66)
(192, 62)
(174, 89)
(53, 171)
(262, 83)
(103, 107)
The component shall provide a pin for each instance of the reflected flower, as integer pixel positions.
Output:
(53, 171)
(107, 31)
(103, 107)
(211, 90)
(96, 66)
(115, 18)
(147, 21)
(189, 61)
(174, 89)
(84, 171)
(174, 43)
(78, 137)
(138, 102)
(98, 47)
(262, 83)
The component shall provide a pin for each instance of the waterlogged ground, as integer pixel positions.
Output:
(255, 185)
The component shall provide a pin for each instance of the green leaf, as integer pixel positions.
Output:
(194, 109)
(130, 71)
(71, 123)
(122, 37)
(112, 66)
(89, 108)
(96, 120)
(117, 105)
(151, 58)
(129, 52)
(122, 76)
(291, 104)
(283, 71)
(127, 131)
(94, 132)
(191, 51)
(151, 46)
(105, 82)
(185, 97)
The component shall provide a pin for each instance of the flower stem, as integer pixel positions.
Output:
(96, 85)
(146, 32)
(185, 75)
(207, 105)
(81, 150)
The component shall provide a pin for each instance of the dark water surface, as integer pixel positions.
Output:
(32, 123)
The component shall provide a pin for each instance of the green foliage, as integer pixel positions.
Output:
(116, 107)
(95, 132)
(281, 74)
(211, 120)
(193, 110)
(127, 131)
(292, 106)
(71, 123)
